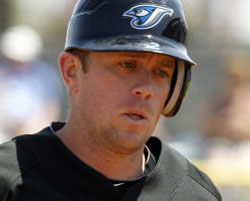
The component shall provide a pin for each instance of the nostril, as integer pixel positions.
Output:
(142, 92)
(148, 97)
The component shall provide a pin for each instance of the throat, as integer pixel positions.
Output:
(129, 167)
(107, 162)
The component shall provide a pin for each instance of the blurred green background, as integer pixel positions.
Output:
(213, 126)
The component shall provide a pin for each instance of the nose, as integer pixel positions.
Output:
(143, 88)
(142, 93)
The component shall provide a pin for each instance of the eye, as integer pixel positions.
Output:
(128, 65)
(161, 73)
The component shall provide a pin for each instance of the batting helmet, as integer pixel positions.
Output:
(156, 26)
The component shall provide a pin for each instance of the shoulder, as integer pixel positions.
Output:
(201, 179)
(9, 168)
(8, 161)
(184, 178)
(17, 157)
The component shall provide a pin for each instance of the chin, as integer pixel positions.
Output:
(129, 142)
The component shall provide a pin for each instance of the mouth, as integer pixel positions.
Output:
(136, 116)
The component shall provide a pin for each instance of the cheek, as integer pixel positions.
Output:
(161, 97)
(101, 94)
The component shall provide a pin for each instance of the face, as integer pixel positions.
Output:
(121, 97)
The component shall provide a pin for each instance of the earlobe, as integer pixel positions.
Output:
(69, 66)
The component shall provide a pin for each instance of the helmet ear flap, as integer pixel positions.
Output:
(179, 86)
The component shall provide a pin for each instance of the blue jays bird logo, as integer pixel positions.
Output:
(147, 16)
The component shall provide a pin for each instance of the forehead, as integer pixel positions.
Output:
(163, 59)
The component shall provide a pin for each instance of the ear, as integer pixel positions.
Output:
(70, 66)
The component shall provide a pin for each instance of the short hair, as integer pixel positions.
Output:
(82, 55)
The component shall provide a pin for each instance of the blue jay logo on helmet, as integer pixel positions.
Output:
(147, 16)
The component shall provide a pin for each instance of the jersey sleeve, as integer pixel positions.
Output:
(9, 169)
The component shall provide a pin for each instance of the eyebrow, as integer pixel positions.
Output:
(164, 61)
(133, 54)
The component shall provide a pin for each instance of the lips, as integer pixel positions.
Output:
(136, 115)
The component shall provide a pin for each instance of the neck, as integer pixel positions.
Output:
(111, 164)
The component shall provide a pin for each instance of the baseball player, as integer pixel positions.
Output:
(124, 64)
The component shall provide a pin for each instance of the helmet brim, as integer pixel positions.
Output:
(135, 43)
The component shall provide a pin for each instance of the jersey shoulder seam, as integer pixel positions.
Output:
(24, 169)
(215, 194)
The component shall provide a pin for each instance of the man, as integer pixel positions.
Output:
(124, 64)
